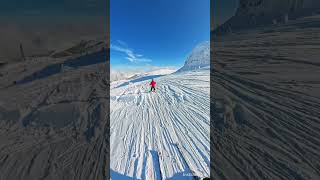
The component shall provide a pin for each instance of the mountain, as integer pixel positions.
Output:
(198, 58)
(257, 13)
(116, 75)
(83, 47)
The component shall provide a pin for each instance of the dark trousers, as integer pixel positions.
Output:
(154, 89)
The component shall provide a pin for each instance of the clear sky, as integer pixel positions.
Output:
(156, 32)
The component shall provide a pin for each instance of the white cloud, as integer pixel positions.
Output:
(130, 59)
(145, 60)
(122, 43)
(122, 47)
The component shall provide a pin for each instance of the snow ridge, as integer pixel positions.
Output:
(257, 13)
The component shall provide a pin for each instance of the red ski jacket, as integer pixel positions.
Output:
(153, 84)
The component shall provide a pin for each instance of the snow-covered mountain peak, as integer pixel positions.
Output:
(82, 47)
(259, 13)
(198, 58)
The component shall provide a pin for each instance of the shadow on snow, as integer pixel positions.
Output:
(139, 80)
(91, 59)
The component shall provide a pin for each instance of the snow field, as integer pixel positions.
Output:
(163, 134)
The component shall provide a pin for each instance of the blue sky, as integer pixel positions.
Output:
(157, 32)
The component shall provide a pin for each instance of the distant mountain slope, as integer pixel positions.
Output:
(83, 47)
(116, 75)
(254, 13)
(198, 58)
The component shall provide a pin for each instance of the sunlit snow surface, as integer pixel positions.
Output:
(163, 134)
(266, 120)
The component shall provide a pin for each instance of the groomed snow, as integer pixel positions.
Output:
(163, 134)
(266, 109)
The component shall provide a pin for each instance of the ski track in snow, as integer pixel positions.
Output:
(163, 134)
(266, 119)
(54, 127)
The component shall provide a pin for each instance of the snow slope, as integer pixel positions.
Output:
(161, 135)
(266, 102)
(53, 119)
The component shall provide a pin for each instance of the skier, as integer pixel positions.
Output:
(153, 86)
